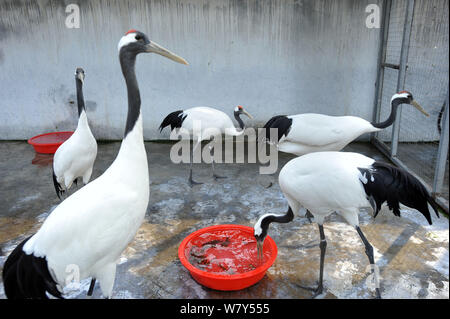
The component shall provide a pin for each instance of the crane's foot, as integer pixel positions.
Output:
(218, 176)
(316, 291)
(192, 183)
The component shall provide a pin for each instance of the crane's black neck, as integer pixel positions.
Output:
(80, 98)
(391, 119)
(286, 218)
(239, 120)
(127, 62)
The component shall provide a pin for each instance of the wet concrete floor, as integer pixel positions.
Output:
(412, 256)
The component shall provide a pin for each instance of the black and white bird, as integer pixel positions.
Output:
(76, 156)
(91, 228)
(307, 133)
(327, 182)
(204, 123)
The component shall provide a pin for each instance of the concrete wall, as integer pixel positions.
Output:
(273, 57)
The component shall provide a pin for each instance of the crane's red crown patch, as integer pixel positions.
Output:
(131, 31)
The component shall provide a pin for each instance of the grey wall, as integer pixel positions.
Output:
(270, 56)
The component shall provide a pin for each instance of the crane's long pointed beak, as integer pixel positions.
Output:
(156, 48)
(259, 247)
(248, 114)
(417, 106)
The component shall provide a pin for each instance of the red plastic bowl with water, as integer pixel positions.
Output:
(48, 143)
(236, 266)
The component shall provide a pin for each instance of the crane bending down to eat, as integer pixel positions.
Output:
(327, 182)
(76, 156)
(198, 122)
(92, 227)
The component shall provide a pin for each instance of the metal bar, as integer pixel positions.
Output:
(384, 33)
(390, 65)
(441, 161)
(402, 72)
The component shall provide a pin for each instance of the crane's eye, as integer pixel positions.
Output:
(138, 37)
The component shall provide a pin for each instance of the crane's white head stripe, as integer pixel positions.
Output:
(403, 95)
(126, 39)
(257, 227)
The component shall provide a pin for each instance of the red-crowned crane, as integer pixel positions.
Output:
(76, 156)
(327, 182)
(307, 133)
(198, 122)
(91, 228)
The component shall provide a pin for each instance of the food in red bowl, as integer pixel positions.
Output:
(48, 143)
(224, 257)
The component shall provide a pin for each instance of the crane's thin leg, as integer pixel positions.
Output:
(323, 246)
(191, 181)
(211, 150)
(309, 216)
(369, 253)
(91, 287)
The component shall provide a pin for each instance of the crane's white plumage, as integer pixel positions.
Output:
(307, 133)
(326, 182)
(202, 118)
(92, 227)
(318, 133)
(76, 156)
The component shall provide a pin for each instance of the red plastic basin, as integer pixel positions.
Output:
(48, 143)
(224, 257)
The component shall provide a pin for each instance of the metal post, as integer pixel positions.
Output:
(402, 72)
(441, 160)
(384, 33)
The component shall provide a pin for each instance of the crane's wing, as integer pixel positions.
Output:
(92, 224)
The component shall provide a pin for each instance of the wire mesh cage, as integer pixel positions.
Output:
(427, 78)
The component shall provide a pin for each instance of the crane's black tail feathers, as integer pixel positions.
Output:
(27, 276)
(280, 122)
(174, 119)
(385, 183)
(59, 190)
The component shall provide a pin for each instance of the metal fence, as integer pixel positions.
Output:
(414, 56)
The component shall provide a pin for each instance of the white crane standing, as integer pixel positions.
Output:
(92, 227)
(307, 133)
(198, 122)
(76, 156)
